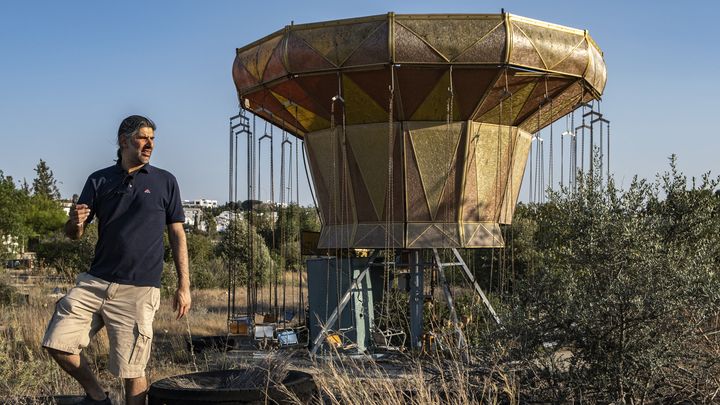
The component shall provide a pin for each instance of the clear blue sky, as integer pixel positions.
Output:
(71, 70)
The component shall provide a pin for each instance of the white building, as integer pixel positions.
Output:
(223, 220)
(194, 218)
(66, 205)
(200, 203)
(10, 244)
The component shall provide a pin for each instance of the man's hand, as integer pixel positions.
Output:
(74, 226)
(79, 214)
(182, 302)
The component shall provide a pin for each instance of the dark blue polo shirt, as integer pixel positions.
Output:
(132, 212)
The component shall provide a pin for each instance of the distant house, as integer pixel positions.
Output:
(66, 205)
(200, 203)
(223, 220)
(194, 218)
(10, 245)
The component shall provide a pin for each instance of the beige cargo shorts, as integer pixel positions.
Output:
(126, 311)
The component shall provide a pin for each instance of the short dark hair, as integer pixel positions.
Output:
(130, 126)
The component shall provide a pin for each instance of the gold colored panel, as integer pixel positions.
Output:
(520, 152)
(258, 61)
(552, 45)
(469, 202)
(488, 49)
(451, 37)
(241, 76)
(435, 105)
(522, 50)
(600, 72)
(369, 145)
(308, 119)
(373, 50)
(338, 42)
(510, 108)
(483, 235)
(322, 146)
(561, 105)
(337, 236)
(492, 162)
(435, 146)
(576, 62)
(433, 234)
(416, 202)
(360, 108)
(409, 48)
(373, 235)
(369, 235)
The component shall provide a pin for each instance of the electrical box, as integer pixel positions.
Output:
(328, 280)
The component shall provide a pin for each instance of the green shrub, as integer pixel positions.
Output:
(625, 283)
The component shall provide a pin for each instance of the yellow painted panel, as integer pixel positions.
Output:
(492, 157)
(510, 107)
(434, 146)
(369, 144)
(308, 119)
(520, 152)
(435, 105)
(360, 108)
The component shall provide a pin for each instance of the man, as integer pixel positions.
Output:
(133, 203)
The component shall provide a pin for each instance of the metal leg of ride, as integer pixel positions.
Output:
(479, 291)
(320, 338)
(462, 344)
(416, 298)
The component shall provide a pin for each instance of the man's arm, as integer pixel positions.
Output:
(75, 226)
(178, 244)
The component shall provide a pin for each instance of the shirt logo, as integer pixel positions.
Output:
(147, 191)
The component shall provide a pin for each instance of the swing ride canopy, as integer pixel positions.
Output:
(418, 126)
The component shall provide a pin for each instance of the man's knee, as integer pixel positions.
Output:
(67, 361)
(138, 382)
(136, 386)
(57, 354)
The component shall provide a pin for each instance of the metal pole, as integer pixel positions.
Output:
(416, 298)
(462, 344)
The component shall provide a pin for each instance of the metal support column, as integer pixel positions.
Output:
(417, 268)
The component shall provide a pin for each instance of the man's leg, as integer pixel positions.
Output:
(135, 390)
(77, 367)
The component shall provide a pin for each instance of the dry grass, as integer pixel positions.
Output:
(27, 371)
(415, 381)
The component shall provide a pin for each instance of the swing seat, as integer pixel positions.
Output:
(287, 337)
(384, 339)
(269, 318)
(265, 332)
(240, 326)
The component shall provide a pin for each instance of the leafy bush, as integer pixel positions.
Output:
(68, 257)
(621, 286)
(235, 248)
